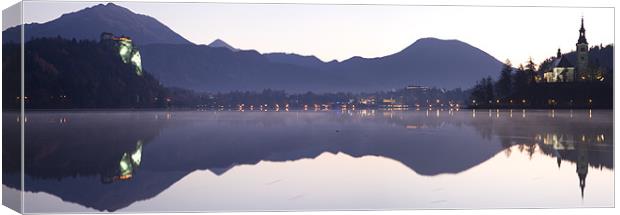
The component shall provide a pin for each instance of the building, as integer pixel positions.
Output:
(582, 54)
(417, 88)
(127, 51)
(561, 70)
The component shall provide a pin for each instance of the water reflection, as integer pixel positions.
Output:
(128, 163)
(64, 151)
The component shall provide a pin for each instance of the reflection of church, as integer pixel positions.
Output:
(562, 70)
(582, 164)
(568, 147)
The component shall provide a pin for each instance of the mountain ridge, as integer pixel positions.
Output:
(218, 43)
(91, 21)
(427, 61)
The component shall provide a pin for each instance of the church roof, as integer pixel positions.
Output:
(562, 62)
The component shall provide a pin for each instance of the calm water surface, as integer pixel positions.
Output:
(89, 161)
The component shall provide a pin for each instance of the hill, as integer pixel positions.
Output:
(430, 62)
(62, 73)
(88, 24)
(177, 62)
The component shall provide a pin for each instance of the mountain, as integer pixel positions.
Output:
(429, 62)
(177, 62)
(62, 73)
(204, 68)
(221, 44)
(300, 60)
(90, 22)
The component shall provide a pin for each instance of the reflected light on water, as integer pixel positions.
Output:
(398, 159)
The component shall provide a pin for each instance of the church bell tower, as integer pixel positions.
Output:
(582, 54)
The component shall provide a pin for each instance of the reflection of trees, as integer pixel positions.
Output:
(92, 144)
(585, 142)
(534, 132)
(588, 143)
(81, 144)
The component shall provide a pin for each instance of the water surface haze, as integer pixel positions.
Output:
(132, 161)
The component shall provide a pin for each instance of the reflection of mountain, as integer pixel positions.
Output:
(85, 147)
(65, 145)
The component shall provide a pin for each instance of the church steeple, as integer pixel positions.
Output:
(582, 34)
(582, 55)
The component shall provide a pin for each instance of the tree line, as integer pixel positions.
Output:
(521, 87)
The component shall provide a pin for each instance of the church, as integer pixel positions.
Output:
(562, 70)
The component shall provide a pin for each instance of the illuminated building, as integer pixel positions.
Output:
(389, 101)
(126, 50)
(417, 88)
(368, 101)
(560, 71)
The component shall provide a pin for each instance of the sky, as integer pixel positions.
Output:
(343, 31)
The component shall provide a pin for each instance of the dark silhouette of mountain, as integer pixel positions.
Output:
(430, 62)
(62, 73)
(221, 44)
(177, 62)
(204, 68)
(300, 60)
(90, 22)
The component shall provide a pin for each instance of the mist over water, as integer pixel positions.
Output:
(316, 160)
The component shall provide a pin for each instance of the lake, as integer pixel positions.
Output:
(135, 161)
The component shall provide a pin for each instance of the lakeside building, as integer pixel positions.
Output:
(562, 70)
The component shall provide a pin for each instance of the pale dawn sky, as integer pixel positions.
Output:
(343, 31)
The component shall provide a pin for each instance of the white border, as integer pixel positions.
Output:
(565, 3)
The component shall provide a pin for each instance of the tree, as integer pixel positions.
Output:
(488, 89)
(520, 82)
(503, 87)
(530, 69)
(482, 92)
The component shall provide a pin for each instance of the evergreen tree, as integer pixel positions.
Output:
(488, 89)
(503, 87)
(520, 82)
(530, 69)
